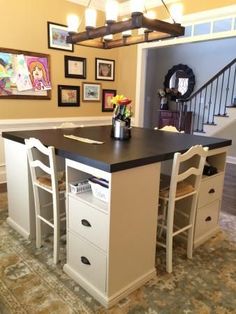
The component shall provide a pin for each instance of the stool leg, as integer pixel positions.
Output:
(169, 236)
(55, 247)
(38, 231)
(169, 247)
(191, 230)
(56, 233)
(163, 222)
(190, 243)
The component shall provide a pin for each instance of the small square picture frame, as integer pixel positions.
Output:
(91, 92)
(57, 34)
(75, 67)
(107, 95)
(68, 96)
(104, 69)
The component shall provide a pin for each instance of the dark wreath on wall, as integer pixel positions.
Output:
(178, 72)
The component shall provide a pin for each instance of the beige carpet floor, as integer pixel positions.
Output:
(30, 283)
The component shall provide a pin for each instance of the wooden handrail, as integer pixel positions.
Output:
(210, 81)
(212, 107)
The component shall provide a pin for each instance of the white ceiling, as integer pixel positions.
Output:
(124, 4)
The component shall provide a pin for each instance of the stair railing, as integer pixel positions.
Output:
(213, 98)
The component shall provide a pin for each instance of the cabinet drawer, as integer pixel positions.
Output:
(210, 189)
(88, 222)
(87, 261)
(207, 218)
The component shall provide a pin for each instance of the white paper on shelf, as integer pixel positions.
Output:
(83, 139)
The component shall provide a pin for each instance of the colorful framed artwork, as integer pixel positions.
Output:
(57, 34)
(68, 96)
(75, 67)
(104, 69)
(24, 75)
(107, 95)
(91, 91)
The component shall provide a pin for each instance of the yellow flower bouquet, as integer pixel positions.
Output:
(121, 117)
(123, 107)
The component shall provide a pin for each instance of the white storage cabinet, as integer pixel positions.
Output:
(210, 197)
(111, 245)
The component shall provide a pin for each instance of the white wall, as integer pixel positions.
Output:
(229, 132)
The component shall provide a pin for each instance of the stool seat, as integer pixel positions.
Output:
(46, 181)
(183, 188)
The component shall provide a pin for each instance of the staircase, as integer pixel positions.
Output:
(214, 104)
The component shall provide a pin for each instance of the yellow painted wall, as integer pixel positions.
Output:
(126, 72)
(23, 26)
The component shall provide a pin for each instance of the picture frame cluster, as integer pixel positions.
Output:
(76, 68)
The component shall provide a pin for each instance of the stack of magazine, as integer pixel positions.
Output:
(100, 181)
(100, 188)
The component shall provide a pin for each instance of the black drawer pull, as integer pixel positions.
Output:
(84, 260)
(208, 218)
(211, 191)
(85, 223)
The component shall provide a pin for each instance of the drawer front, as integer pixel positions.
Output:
(88, 222)
(207, 218)
(87, 261)
(210, 190)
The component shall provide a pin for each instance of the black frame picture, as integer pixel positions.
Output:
(104, 69)
(107, 94)
(66, 98)
(57, 34)
(91, 92)
(75, 67)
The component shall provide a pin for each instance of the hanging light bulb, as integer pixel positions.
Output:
(150, 15)
(141, 31)
(90, 18)
(136, 6)
(111, 11)
(176, 11)
(72, 23)
(108, 37)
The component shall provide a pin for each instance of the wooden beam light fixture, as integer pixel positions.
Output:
(102, 37)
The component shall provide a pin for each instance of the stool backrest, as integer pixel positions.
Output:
(188, 165)
(41, 161)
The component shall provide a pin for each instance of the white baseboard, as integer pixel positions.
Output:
(103, 298)
(18, 228)
(231, 160)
